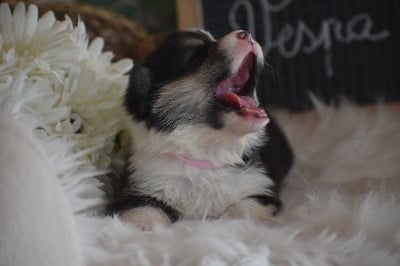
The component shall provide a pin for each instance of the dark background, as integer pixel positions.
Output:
(362, 71)
(154, 15)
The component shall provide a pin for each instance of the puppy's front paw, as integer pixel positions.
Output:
(145, 217)
(251, 209)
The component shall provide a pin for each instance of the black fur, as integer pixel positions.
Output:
(137, 101)
(177, 58)
(135, 199)
(268, 200)
(126, 197)
(182, 55)
(276, 157)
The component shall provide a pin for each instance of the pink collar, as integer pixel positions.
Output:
(201, 164)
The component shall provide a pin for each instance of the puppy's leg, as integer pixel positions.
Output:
(144, 211)
(253, 208)
(145, 217)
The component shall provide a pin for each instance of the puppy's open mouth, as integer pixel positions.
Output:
(236, 92)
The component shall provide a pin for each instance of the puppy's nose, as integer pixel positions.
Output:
(244, 35)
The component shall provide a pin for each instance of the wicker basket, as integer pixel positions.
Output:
(124, 37)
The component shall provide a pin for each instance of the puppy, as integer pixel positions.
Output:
(202, 146)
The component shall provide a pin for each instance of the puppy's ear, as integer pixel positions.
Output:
(138, 92)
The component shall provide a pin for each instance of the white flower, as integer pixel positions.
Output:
(66, 90)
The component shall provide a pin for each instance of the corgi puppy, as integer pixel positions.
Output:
(202, 146)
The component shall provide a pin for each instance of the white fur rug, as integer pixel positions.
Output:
(342, 206)
(342, 199)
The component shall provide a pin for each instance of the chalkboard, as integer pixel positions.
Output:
(331, 48)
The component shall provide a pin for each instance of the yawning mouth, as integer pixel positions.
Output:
(236, 92)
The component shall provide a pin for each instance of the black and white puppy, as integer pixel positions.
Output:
(202, 146)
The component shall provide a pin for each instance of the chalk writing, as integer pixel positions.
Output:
(296, 38)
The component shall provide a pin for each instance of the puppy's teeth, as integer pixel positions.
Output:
(237, 89)
(234, 89)
(226, 89)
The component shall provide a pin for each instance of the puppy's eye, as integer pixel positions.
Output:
(193, 58)
(180, 55)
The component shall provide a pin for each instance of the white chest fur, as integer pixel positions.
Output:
(194, 192)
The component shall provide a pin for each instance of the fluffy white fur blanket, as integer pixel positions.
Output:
(342, 205)
(342, 200)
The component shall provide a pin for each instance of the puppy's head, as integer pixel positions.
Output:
(193, 79)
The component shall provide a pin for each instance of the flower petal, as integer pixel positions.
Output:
(96, 47)
(6, 22)
(19, 22)
(123, 66)
(31, 22)
(66, 91)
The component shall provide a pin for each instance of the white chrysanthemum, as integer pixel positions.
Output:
(67, 91)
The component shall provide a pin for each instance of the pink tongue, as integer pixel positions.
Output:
(247, 106)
